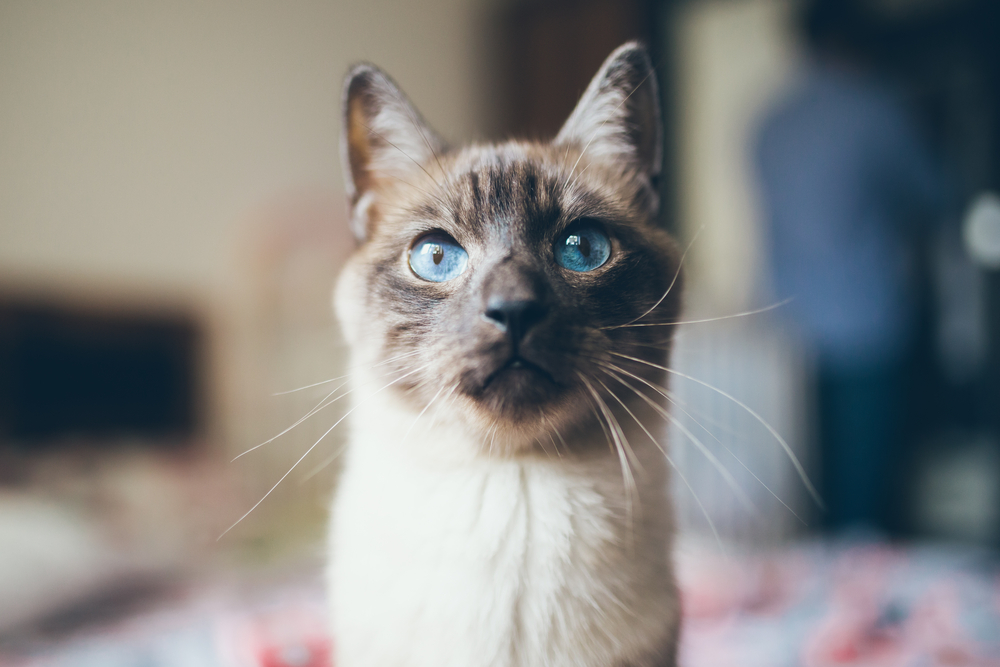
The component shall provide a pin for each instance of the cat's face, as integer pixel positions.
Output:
(498, 278)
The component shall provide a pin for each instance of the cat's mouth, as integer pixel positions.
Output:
(517, 371)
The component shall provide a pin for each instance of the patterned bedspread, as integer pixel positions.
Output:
(812, 605)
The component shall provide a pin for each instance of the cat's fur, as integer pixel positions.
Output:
(491, 515)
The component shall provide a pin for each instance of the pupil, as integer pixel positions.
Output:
(582, 243)
(435, 250)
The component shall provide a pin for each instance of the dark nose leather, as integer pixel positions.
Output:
(515, 318)
(514, 299)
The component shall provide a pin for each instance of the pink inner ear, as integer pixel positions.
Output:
(384, 135)
(358, 147)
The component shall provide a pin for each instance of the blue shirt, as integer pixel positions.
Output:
(844, 178)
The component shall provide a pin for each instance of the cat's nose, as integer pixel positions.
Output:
(514, 317)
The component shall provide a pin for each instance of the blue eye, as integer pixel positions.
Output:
(582, 247)
(438, 257)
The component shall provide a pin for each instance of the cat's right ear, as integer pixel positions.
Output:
(384, 138)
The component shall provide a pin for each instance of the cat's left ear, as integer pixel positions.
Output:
(384, 138)
(618, 118)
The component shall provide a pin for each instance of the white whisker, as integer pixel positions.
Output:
(784, 445)
(669, 459)
(324, 403)
(309, 386)
(706, 319)
(295, 465)
(670, 287)
(421, 414)
(549, 430)
(319, 406)
(390, 360)
(618, 436)
(679, 405)
(706, 452)
(317, 384)
(330, 459)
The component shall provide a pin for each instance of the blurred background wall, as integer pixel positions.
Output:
(135, 139)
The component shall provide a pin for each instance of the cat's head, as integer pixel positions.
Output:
(497, 279)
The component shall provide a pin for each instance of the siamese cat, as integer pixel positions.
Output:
(509, 310)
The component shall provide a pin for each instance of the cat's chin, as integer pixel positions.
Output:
(518, 395)
(516, 390)
(517, 377)
(518, 405)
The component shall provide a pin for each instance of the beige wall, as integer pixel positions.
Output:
(732, 57)
(135, 136)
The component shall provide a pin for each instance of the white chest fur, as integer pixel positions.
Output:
(470, 561)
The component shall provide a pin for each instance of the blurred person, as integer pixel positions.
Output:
(846, 183)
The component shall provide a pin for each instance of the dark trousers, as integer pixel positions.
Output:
(860, 431)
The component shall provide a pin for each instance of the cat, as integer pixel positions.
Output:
(504, 497)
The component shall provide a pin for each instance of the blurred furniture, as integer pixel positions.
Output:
(551, 49)
(72, 371)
